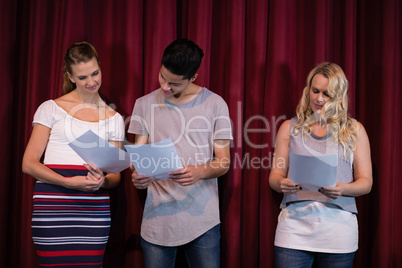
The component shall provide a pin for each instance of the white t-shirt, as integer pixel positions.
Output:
(65, 129)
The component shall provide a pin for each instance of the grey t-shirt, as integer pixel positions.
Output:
(174, 214)
(316, 147)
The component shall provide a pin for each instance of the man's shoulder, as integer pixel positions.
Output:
(212, 96)
(149, 97)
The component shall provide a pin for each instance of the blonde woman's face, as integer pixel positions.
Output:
(318, 92)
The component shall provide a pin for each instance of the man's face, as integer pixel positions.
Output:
(172, 85)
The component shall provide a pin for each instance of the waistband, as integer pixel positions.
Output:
(69, 170)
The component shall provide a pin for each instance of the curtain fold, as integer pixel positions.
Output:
(8, 11)
(379, 83)
(257, 56)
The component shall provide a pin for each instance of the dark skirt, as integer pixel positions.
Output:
(70, 228)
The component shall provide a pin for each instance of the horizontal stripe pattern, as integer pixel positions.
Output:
(70, 228)
(70, 253)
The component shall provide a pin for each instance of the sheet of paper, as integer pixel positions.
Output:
(313, 172)
(157, 159)
(100, 152)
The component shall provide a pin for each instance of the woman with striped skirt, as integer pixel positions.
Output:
(71, 213)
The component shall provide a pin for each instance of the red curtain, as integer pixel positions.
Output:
(258, 54)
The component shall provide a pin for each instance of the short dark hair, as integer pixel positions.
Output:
(182, 57)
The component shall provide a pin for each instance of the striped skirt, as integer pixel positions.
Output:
(70, 228)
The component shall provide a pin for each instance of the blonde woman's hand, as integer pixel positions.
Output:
(288, 187)
(332, 192)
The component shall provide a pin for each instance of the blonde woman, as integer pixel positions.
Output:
(317, 223)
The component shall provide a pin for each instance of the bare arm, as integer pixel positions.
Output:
(363, 174)
(362, 168)
(31, 164)
(278, 176)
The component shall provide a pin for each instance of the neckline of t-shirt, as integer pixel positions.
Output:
(320, 138)
(187, 103)
(65, 112)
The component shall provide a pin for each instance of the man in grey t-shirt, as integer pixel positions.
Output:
(182, 209)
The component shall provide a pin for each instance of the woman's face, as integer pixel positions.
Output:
(87, 76)
(318, 92)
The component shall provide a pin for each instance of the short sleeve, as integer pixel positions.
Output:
(223, 124)
(44, 115)
(116, 127)
(137, 121)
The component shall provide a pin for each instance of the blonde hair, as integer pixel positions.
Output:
(334, 113)
(77, 53)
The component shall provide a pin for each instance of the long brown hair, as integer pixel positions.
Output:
(77, 53)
